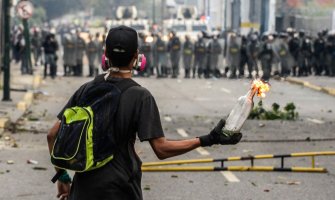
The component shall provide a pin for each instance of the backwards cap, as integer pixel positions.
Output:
(121, 41)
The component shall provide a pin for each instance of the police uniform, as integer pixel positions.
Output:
(294, 49)
(91, 53)
(319, 54)
(266, 56)
(244, 56)
(306, 51)
(80, 48)
(174, 48)
(199, 58)
(252, 52)
(146, 49)
(214, 50)
(160, 50)
(69, 54)
(187, 57)
(284, 56)
(233, 56)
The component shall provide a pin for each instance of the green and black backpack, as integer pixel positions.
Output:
(85, 140)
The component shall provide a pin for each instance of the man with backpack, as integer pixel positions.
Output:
(121, 109)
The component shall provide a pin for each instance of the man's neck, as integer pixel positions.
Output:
(120, 75)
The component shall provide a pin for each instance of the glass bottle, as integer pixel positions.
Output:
(240, 113)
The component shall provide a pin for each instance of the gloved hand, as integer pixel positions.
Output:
(216, 136)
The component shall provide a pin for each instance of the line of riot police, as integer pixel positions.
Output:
(253, 55)
(287, 53)
(165, 53)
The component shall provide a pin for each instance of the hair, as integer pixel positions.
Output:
(119, 59)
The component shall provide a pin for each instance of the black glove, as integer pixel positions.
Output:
(216, 136)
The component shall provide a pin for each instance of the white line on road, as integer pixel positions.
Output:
(182, 132)
(226, 90)
(230, 176)
(202, 151)
(316, 121)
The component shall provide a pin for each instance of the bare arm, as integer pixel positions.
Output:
(165, 148)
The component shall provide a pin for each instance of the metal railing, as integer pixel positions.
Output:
(162, 166)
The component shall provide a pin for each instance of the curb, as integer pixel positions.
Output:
(23, 104)
(28, 98)
(326, 90)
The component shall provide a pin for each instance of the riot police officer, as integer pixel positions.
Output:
(214, 50)
(266, 55)
(99, 42)
(69, 55)
(174, 47)
(91, 53)
(199, 57)
(80, 48)
(294, 48)
(146, 49)
(160, 49)
(187, 56)
(244, 56)
(252, 52)
(233, 55)
(284, 55)
(319, 54)
(330, 55)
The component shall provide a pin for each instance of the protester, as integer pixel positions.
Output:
(50, 46)
(137, 115)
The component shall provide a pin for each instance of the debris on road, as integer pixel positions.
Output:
(10, 162)
(146, 187)
(34, 162)
(40, 168)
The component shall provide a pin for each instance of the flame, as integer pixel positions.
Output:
(261, 87)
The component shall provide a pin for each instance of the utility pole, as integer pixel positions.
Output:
(27, 48)
(6, 59)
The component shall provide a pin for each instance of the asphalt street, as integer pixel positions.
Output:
(190, 108)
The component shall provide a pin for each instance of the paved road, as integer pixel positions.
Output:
(190, 108)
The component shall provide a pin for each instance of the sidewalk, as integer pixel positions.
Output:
(319, 83)
(21, 97)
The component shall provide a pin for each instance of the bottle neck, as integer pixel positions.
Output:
(251, 93)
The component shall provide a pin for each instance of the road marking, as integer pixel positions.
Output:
(182, 132)
(316, 121)
(202, 151)
(168, 119)
(230, 176)
(226, 90)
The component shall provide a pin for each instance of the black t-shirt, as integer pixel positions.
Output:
(121, 177)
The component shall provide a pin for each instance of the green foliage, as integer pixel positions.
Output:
(288, 113)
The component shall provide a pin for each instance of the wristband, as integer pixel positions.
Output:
(65, 177)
